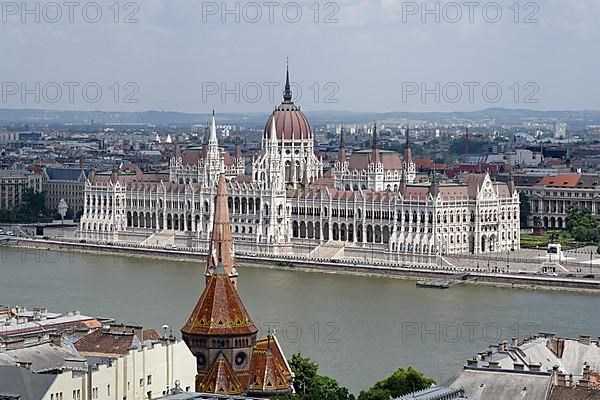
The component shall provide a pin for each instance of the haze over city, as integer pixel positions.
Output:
(358, 56)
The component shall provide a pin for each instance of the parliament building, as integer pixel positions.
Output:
(285, 204)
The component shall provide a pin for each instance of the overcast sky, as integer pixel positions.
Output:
(356, 55)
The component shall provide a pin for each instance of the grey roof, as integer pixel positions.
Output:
(43, 358)
(435, 393)
(15, 381)
(501, 384)
(64, 174)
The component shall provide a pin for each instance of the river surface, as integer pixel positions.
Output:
(358, 329)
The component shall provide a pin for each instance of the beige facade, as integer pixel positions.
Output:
(141, 374)
(551, 196)
(14, 183)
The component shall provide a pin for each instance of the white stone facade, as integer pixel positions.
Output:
(271, 211)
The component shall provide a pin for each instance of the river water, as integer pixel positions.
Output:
(359, 329)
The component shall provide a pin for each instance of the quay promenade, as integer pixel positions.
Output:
(521, 268)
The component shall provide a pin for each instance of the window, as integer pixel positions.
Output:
(141, 382)
(149, 380)
(108, 390)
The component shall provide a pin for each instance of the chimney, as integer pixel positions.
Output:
(556, 346)
(585, 340)
(472, 362)
(535, 367)
(518, 366)
(585, 380)
(24, 364)
(514, 342)
(56, 339)
(493, 365)
(503, 347)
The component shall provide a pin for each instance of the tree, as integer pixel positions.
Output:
(326, 388)
(309, 385)
(375, 394)
(525, 208)
(400, 383)
(582, 225)
(305, 371)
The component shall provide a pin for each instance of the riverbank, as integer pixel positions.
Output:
(467, 276)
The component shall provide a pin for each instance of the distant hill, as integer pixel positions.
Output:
(500, 116)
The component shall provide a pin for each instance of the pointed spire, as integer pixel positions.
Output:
(213, 131)
(287, 93)
(375, 143)
(177, 153)
(342, 149)
(407, 150)
(511, 181)
(273, 135)
(375, 156)
(221, 241)
(433, 188)
(403, 185)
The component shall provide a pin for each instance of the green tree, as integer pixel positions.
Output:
(34, 202)
(400, 383)
(375, 394)
(309, 385)
(525, 208)
(326, 388)
(305, 371)
(582, 225)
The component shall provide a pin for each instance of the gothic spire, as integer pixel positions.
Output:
(287, 93)
(273, 134)
(375, 156)
(221, 241)
(375, 143)
(342, 148)
(407, 150)
(213, 131)
(434, 188)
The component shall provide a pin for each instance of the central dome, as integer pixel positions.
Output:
(290, 122)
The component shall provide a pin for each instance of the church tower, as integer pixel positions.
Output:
(220, 332)
(230, 360)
